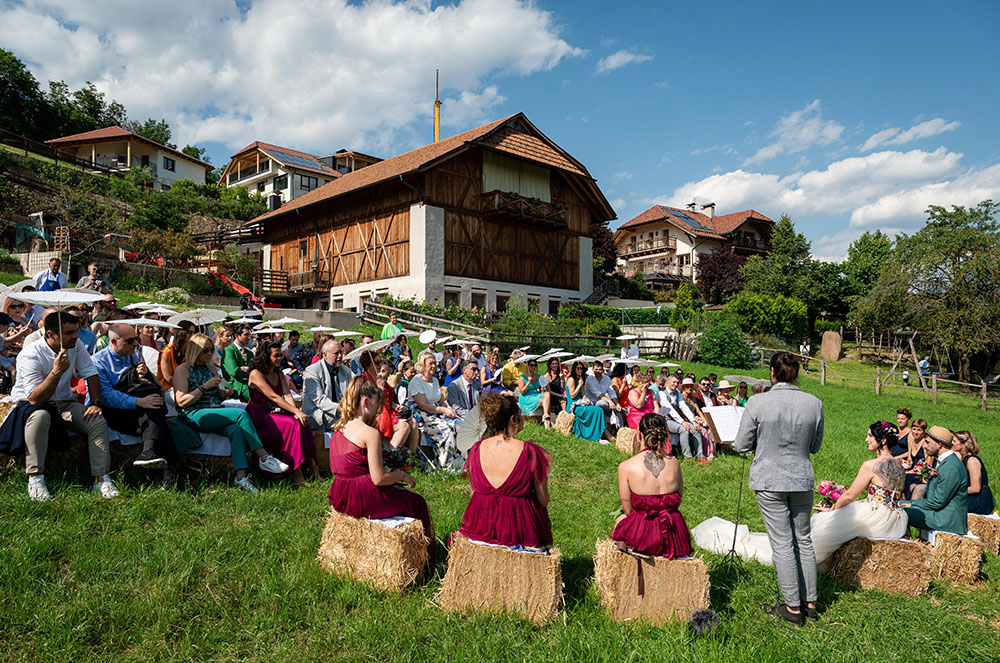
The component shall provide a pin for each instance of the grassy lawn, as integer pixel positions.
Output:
(221, 575)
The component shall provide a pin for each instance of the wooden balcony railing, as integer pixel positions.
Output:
(648, 246)
(273, 281)
(518, 208)
(312, 280)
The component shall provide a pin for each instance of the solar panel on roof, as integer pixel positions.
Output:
(296, 160)
(689, 219)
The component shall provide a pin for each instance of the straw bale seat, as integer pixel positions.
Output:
(389, 558)
(625, 441)
(901, 566)
(955, 558)
(988, 530)
(564, 423)
(672, 588)
(485, 578)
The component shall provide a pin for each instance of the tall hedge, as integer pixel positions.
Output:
(724, 344)
(776, 315)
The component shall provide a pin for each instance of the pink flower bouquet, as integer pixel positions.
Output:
(829, 492)
(924, 471)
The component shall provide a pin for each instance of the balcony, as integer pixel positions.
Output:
(637, 248)
(751, 244)
(273, 282)
(250, 171)
(512, 207)
(314, 279)
(122, 164)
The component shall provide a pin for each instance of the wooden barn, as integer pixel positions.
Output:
(493, 213)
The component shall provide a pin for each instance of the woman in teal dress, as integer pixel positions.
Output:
(589, 419)
(529, 392)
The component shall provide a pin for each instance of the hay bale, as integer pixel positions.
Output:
(5, 409)
(494, 579)
(956, 558)
(387, 558)
(673, 588)
(988, 531)
(625, 441)
(901, 566)
(564, 422)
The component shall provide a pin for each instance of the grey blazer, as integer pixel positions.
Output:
(782, 428)
(458, 395)
(317, 394)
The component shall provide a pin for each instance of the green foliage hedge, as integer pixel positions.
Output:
(724, 344)
(775, 315)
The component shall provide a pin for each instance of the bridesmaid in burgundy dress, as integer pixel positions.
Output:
(361, 486)
(650, 485)
(283, 428)
(509, 480)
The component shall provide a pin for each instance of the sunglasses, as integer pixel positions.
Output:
(134, 339)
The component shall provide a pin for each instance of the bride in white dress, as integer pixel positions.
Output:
(877, 516)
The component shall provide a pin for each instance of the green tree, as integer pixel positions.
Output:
(788, 268)
(156, 131)
(685, 305)
(196, 152)
(866, 256)
(21, 101)
(943, 281)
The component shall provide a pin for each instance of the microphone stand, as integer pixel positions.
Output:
(731, 556)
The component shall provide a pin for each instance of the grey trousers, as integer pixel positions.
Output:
(690, 441)
(36, 437)
(786, 518)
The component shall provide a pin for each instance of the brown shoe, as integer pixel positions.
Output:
(781, 610)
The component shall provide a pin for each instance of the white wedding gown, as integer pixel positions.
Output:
(879, 516)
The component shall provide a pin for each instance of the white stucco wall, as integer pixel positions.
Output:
(183, 169)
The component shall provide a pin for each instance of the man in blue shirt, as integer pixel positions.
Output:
(87, 337)
(144, 415)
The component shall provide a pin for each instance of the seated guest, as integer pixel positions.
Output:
(914, 453)
(44, 370)
(553, 391)
(489, 375)
(598, 390)
(452, 364)
(133, 401)
(199, 392)
(705, 396)
(724, 393)
(509, 479)
(511, 371)
(104, 309)
(83, 333)
(437, 422)
(39, 333)
(742, 394)
(347, 346)
(946, 501)
(234, 363)
(903, 418)
(282, 427)
(588, 422)
(689, 394)
(640, 401)
(361, 487)
(650, 487)
(394, 422)
(620, 382)
(406, 372)
(400, 350)
(463, 393)
(529, 393)
(223, 339)
(323, 385)
(680, 420)
(173, 355)
(297, 357)
(147, 337)
(980, 496)
(356, 366)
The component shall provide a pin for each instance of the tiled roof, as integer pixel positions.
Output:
(727, 223)
(711, 228)
(536, 149)
(290, 157)
(117, 133)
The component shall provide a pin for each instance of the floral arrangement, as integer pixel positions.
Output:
(830, 492)
(924, 471)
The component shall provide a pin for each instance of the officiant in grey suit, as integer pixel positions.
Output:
(782, 427)
(323, 385)
(463, 393)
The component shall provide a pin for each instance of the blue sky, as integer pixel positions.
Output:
(849, 116)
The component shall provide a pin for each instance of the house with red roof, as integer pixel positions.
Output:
(494, 213)
(281, 174)
(121, 150)
(663, 243)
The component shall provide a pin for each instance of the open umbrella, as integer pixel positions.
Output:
(321, 328)
(58, 300)
(159, 310)
(524, 359)
(284, 321)
(604, 357)
(374, 346)
(199, 316)
(244, 321)
(271, 330)
(584, 358)
(146, 322)
(626, 337)
(136, 305)
(345, 333)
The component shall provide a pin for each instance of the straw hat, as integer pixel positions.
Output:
(687, 381)
(725, 385)
(941, 434)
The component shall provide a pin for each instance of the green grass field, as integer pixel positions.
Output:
(218, 574)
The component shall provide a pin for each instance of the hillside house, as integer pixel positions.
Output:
(121, 150)
(472, 220)
(664, 242)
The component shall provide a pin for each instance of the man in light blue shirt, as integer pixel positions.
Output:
(141, 412)
(83, 333)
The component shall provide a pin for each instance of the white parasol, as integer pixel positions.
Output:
(159, 310)
(524, 359)
(604, 357)
(244, 321)
(667, 364)
(199, 316)
(145, 322)
(554, 355)
(321, 328)
(271, 330)
(58, 300)
(374, 346)
(346, 333)
(584, 358)
(427, 336)
(627, 337)
(284, 321)
(131, 307)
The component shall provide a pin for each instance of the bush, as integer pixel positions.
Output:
(724, 344)
(602, 328)
(175, 296)
(779, 316)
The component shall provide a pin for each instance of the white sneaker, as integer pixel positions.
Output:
(603, 441)
(246, 484)
(273, 465)
(37, 490)
(106, 487)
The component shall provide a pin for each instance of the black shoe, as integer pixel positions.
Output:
(169, 481)
(782, 611)
(148, 460)
(810, 613)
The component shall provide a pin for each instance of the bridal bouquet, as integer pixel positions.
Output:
(830, 492)
(924, 471)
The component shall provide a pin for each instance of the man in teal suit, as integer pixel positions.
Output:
(235, 358)
(944, 506)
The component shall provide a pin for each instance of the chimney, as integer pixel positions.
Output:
(711, 210)
(692, 206)
(437, 105)
(273, 202)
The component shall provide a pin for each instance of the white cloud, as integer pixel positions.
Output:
(797, 132)
(896, 136)
(619, 59)
(315, 75)
(617, 203)
(619, 177)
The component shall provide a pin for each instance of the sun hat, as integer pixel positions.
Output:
(941, 434)
(687, 381)
(725, 385)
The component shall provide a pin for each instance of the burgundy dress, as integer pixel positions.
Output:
(509, 515)
(354, 494)
(282, 436)
(655, 526)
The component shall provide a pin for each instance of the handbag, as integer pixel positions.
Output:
(130, 383)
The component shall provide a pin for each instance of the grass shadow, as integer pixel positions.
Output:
(577, 573)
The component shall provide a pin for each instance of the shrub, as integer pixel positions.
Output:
(764, 315)
(602, 327)
(175, 296)
(724, 344)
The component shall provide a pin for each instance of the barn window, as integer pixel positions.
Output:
(479, 300)
(513, 176)
(502, 303)
(451, 298)
(303, 249)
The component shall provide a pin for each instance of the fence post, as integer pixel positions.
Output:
(822, 372)
(934, 389)
(878, 381)
(982, 398)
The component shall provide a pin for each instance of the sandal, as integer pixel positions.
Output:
(781, 610)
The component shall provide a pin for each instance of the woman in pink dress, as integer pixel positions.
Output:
(650, 486)
(509, 477)
(640, 400)
(283, 428)
(361, 486)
